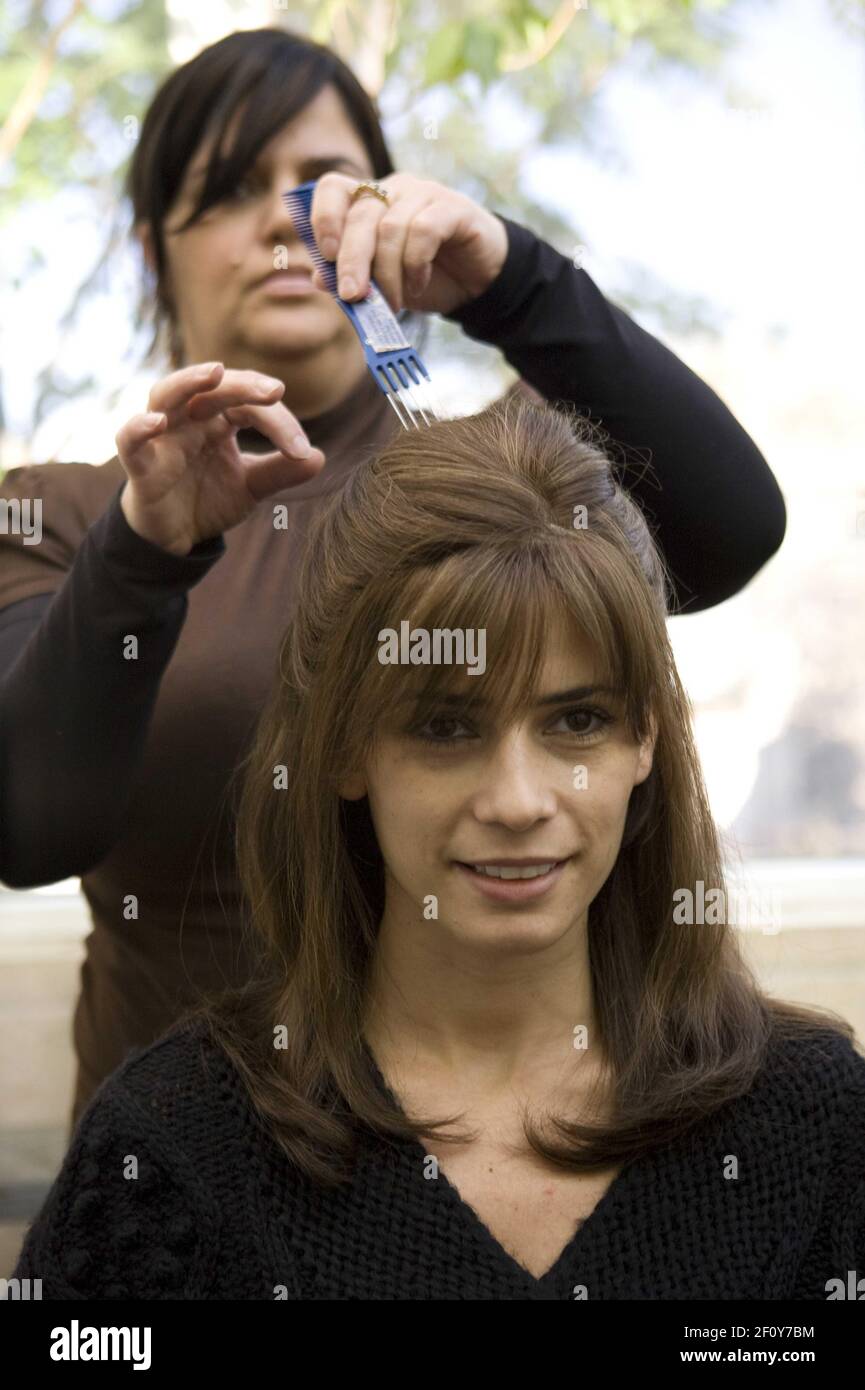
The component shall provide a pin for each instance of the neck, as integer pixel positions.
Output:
(313, 386)
(481, 1022)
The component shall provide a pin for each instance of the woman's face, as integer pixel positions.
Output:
(215, 266)
(553, 787)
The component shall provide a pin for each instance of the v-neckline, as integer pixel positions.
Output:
(502, 1253)
(482, 1230)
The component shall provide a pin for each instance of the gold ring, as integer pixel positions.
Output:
(370, 186)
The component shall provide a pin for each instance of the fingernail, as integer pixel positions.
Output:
(347, 287)
(300, 446)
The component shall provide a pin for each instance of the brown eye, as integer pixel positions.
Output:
(599, 716)
(440, 740)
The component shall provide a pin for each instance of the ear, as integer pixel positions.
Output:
(353, 788)
(646, 754)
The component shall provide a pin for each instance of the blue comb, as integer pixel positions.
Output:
(395, 364)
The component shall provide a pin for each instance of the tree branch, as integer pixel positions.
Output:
(558, 25)
(26, 105)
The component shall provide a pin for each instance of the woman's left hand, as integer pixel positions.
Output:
(427, 239)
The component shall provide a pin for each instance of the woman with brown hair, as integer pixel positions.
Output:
(138, 637)
(463, 883)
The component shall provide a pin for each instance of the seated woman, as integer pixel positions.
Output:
(483, 1056)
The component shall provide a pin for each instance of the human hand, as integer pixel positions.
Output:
(431, 248)
(187, 478)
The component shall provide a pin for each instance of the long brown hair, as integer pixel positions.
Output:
(473, 522)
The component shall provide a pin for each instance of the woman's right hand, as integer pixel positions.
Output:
(187, 480)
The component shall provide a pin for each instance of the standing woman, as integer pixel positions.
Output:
(133, 666)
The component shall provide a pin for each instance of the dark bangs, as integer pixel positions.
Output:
(265, 77)
(269, 93)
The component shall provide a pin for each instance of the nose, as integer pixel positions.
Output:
(517, 786)
(276, 224)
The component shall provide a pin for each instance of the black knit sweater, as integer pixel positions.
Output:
(217, 1212)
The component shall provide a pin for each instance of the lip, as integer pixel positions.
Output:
(513, 890)
(528, 863)
(286, 282)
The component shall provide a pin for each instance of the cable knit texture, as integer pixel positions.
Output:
(217, 1212)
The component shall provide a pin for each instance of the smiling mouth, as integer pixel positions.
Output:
(514, 873)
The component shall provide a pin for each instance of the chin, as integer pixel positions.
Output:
(512, 933)
(294, 333)
(279, 346)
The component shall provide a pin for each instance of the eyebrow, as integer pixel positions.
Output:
(329, 161)
(577, 692)
(316, 163)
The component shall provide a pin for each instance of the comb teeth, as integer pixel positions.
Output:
(395, 365)
(405, 382)
(298, 205)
